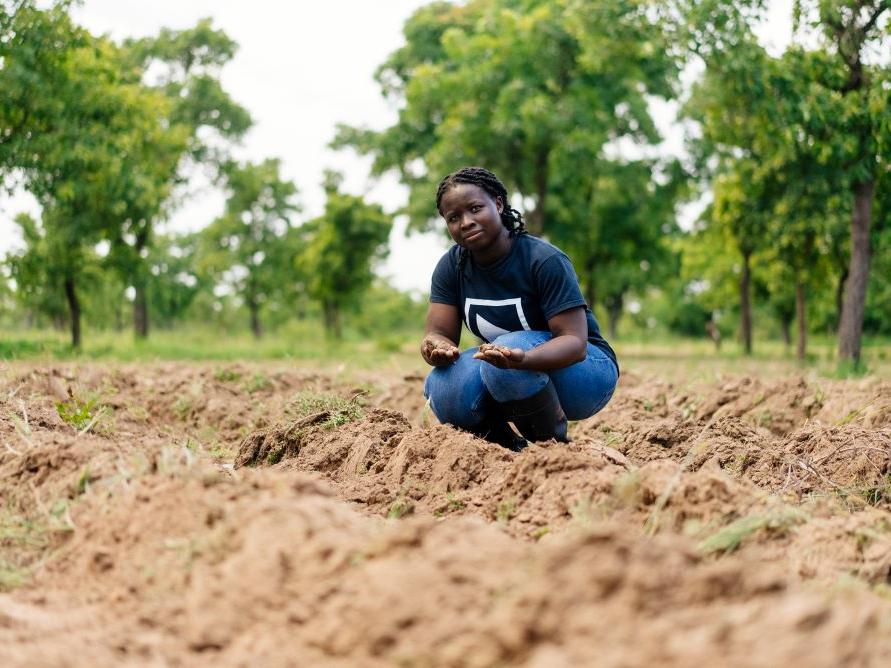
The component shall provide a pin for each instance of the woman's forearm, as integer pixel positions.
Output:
(559, 352)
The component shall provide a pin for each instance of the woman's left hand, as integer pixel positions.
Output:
(503, 358)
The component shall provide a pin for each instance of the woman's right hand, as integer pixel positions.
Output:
(438, 352)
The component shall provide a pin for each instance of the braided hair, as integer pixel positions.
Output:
(482, 178)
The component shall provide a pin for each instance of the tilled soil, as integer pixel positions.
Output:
(186, 514)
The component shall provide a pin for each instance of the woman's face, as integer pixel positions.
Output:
(473, 217)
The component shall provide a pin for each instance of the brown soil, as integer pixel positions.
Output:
(220, 515)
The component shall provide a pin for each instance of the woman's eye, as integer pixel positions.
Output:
(475, 208)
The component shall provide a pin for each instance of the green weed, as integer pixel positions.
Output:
(275, 455)
(79, 414)
(540, 532)
(256, 383)
(340, 410)
(182, 406)
(731, 537)
(452, 505)
(225, 375)
(83, 482)
(400, 508)
(505, 510)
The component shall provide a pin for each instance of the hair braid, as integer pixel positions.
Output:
(483, 178)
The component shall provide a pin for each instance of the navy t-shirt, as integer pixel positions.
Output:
(521, 291)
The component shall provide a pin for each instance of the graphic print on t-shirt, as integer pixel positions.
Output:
(490, 318)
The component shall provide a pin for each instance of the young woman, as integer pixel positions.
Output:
(543, 359)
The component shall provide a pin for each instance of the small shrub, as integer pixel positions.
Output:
(75, 412)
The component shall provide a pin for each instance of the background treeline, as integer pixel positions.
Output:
(788, 156)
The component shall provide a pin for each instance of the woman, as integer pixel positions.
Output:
(544, 359)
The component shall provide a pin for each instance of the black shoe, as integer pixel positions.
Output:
(539, 417)
(497, 430)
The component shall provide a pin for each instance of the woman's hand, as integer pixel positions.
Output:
(500, 356)
(437, 351)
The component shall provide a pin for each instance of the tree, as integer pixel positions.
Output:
(246, 245)
(199, 118)
(858, 127)
(341, 247)
(39, 288)
(176, 280)
(530, 89)
(74, 134)
(827, 102)
(618, 231)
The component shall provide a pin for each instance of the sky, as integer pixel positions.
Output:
(301, 68)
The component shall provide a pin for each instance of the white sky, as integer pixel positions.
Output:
(301, 68)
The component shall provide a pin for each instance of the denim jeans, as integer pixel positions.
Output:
(461, 393)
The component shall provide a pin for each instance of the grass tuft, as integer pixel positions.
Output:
(340, 410)
(731, 537)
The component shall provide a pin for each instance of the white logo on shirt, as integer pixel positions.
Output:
(486, 329)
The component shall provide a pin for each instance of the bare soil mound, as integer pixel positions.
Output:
(241, 515)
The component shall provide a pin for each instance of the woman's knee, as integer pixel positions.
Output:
(522, 339)
(456, 393)
(586, 388)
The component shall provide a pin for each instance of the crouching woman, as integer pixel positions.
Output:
(544, 360)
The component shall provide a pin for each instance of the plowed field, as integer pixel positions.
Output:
(257, 515)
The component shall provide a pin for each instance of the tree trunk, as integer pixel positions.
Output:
(140, 283)
(745, 305)
(74, 310)
(140, 312)
(254, 308)
(786, 329)
(332, 319)
(801, 315)
(614, 307)
(840, 298)
(850, 330)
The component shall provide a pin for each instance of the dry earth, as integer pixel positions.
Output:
(248, 515)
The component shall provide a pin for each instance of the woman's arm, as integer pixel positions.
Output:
(442, 332)
(569, 345)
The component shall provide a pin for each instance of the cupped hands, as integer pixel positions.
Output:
(501, 356)
(438, 352)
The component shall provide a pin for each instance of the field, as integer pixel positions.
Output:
(269, 513)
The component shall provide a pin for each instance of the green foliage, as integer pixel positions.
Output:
(247, 249)
(536, 91)
(804, 135)
(340, 249)
(76, 412)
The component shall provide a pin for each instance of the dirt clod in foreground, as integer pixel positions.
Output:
(191, 515)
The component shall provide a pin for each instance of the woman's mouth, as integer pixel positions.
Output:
(473, 235)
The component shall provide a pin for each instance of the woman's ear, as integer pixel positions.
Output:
(499, 205)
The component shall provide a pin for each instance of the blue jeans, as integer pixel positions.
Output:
(461, 393)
